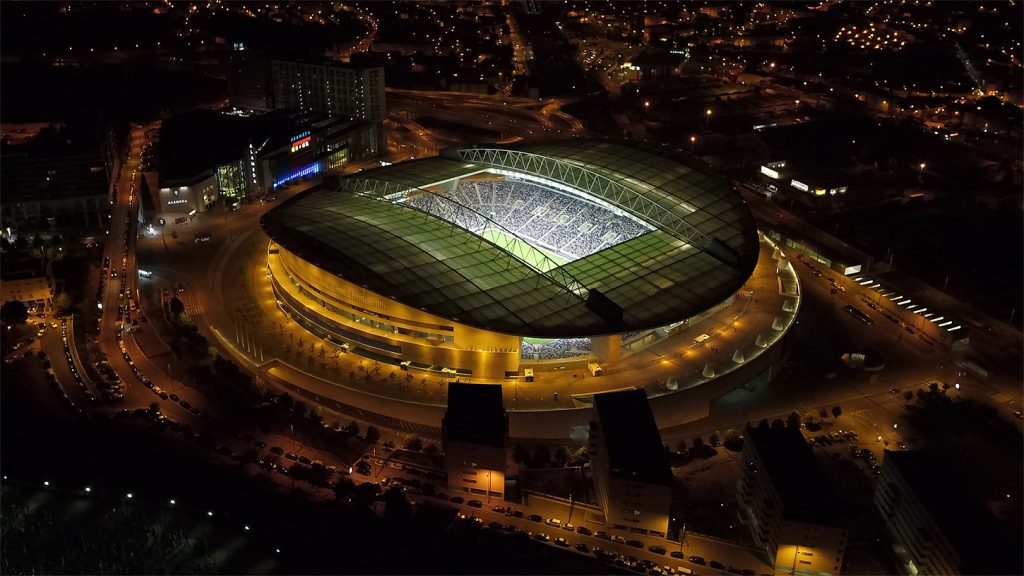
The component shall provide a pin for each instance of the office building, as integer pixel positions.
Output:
(56, 181)
(474, 435)
(935, 525)
(333, 88)
(207, 156)
(632, 476)
(29, 281)
(788, 506)
(249, 82)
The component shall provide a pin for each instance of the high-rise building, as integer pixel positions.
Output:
(632, 476)
(786, 502)
(474, 435)
(249, 82)
(58, 180)
(334, 88)
(935, 525)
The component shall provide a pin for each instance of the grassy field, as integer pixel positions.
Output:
(534, 256)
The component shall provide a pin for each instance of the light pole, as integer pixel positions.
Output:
(707, 118)
(693, 142)
(920, 173)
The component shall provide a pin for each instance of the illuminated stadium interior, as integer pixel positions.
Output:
(564, 226)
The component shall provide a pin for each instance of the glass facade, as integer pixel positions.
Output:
(231, 180)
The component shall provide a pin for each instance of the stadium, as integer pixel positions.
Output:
(482, 262)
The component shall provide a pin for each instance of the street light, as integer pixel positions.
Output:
(920, 174)
(693, 141)
(707, 116)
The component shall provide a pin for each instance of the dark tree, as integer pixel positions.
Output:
(413, 443)
(372, 434)
(520, 454)
(300, 408)
(837, 411)
(13, 312)
(177, 307)
(793, 420)
(396, 505)
(286, 401)
(542, 457)
(352, 428)
(561, 457)
(430, 449)
(908, 396)
(343, 487)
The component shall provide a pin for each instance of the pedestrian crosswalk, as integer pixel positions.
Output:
(194, 311)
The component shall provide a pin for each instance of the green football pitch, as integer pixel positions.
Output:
(532, 255)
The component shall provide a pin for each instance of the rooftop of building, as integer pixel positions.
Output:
(57, 161)
(475, 414)
(961, 518)
(630, 434)
(200, 140)
(794, 473)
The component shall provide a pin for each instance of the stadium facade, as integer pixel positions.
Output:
(483, 261)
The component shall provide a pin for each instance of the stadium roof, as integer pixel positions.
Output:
(703, 248)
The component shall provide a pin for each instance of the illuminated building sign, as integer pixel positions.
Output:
(178, 201)
(300, 144)
(799, 185)
(769, 172)
(300, 136)
(313, 168)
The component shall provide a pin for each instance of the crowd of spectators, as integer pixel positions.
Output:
(570, 226)
(554, 349)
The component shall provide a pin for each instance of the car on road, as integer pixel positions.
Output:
(581, 547)
(584, 531)
(716, 565)
(475, 504)
(554, 522)
(535, 518)
(495, 526)
(635, 543)
(457, 499)
(174, 397)
(677, 554)
(1018, 414)
(291, 456)
(698, 560)
(561, 542)
(657, 549)
(185, 404)
(304, 460)
(602, 535)
(257, 443)
(542, 537)
(277, 450)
